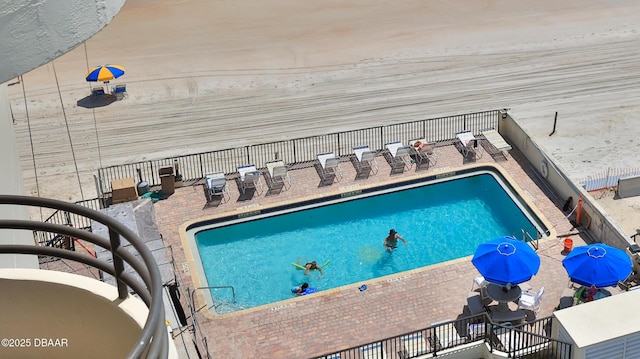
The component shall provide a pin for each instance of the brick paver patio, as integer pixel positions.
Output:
(344, 317)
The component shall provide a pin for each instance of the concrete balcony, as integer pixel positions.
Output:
(55, 314)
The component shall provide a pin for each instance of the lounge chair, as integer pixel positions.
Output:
(278, 173)
(508, 338)
(531, 300)
(365, 159)
(400, 155)
(249, 178)
(468, 145)
(413, 345)
(447, 334)
(216, 185)
(330, 166)
(477, 331)
(373, 351)
(498, 147)
(425, 153)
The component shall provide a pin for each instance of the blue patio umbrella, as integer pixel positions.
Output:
(506, 261)
(597, 264)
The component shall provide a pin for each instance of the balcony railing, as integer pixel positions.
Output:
(515, 341)
(153, 340)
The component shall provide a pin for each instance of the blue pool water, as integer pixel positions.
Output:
(440, 222)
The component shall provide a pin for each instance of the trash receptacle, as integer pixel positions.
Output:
(167, 180)
(143, 187)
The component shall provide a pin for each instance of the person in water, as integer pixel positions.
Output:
(391, 242)
(299, 290)
(311, 266)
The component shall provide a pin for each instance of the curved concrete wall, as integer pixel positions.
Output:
(34, 32)
(47, 314)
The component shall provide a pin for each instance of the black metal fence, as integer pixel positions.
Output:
(66, 218)
(529, 340)
(299, 152)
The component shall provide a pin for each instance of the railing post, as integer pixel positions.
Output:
(118, 264)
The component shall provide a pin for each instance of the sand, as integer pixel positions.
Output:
(207, 75)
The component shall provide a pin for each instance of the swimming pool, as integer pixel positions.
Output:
(441, 218)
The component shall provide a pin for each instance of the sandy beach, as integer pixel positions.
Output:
(207, 75)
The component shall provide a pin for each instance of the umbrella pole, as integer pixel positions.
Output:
(106, 83)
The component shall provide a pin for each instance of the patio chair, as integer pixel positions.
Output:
(480, 284)
(330, 166)
(365, 159)
(531, 301)
(373, 351)
(216, 185)
(278, 173)
(249, 178)
(413, 346)
(400, 155)
(120, 91)
(97, 91)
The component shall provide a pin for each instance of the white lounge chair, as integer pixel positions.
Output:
(400, 155)
(366, 159)
(447, 334)
(414, 345)
(278, 173)
(249, 178)
(373, 351)
(216, 185)
(497, 142)
(330, 166)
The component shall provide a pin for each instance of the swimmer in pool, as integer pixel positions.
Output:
(311, 266)
(391, 242)
(299, 290)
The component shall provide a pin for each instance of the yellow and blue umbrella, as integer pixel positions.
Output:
(104, 73)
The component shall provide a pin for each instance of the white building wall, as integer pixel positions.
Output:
(32, 33)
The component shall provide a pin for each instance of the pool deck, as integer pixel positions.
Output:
(344, 317)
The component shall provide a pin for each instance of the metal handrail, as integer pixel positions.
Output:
(153, 340)
(233, 292)
(197, 332)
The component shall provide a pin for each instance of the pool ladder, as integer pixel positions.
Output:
(233, 292)
(526, 237)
